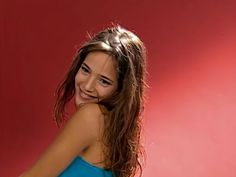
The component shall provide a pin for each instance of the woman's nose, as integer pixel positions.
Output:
(90, 84)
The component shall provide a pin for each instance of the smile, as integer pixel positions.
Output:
(86, 96)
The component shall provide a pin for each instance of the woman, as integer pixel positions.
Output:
(102, 138)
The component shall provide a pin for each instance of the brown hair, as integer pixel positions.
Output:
(123, 119)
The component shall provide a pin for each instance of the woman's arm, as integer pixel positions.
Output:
(79, 133)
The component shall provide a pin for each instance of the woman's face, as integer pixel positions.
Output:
(96, 79)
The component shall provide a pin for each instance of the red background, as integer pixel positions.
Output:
(190, 124)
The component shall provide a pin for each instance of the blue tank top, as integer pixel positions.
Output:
(81, 168)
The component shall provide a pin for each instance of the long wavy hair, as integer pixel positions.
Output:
(124, 108)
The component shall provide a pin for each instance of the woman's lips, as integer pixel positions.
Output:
(86, 96)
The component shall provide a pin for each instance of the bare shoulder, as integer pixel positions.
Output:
(90, 109)
(79, 133)
(90, 113)
(90, 116)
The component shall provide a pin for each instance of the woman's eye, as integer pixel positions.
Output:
(104, 82)
(84, 70)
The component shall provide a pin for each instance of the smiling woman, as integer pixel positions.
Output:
(102, 138)
(96, 78)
